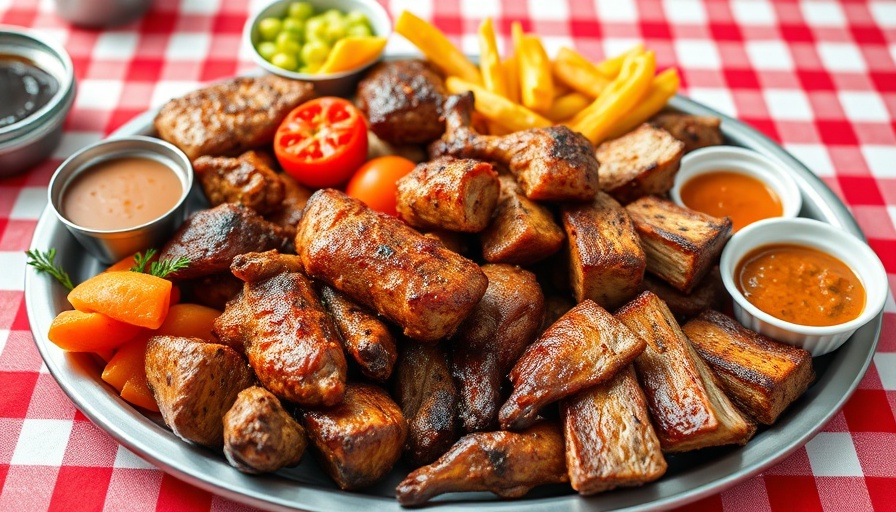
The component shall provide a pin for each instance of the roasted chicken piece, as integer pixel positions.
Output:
(508, 464)
(644, 161)
(428, 396)
(295, 196)
(287, 335)
(259, 435)
(195, 383)
(403, 101)
(551, 164)
(694, 131)
(364, 336)
(358, 440)
(232, 116)
(586, 346)
(211, 238)
(521, 231)
(247, 180)
(491, 340)
(457, 195)
(382, 263)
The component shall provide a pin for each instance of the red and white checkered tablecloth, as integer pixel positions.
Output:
(817, 76)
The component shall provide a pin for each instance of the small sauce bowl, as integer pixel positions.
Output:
(817, 235)
(110, 245)
(731, 159)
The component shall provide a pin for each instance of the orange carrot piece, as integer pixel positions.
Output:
(189, 320)
(137, 392)
(130, 297)
(128, 361)
(77, 331)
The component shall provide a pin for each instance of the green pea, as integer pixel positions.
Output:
(268, 28)
(316, 29)
(300, 10)
(267, 50)
(315, 52)
(336, 30)
(288, 45)
(284, 60)
(332, 15)
(357, 18)
(359, 31)
(295, 27)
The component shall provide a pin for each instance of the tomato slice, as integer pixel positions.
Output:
(375, 182)
(322, 142)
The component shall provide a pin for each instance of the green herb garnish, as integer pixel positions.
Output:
(141, 259)
(159, 268)
(43, 262)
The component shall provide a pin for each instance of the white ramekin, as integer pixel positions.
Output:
(819, 235)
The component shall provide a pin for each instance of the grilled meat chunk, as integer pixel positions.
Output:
(358, 440)
(609, 440)
(211, 238)
(694, 131)
(762, 376)
(259, 435)
(521, 231)
(195, 383)
(508, 464)
(491, 340)
(403, 101)
(380, 262)
(586, 346)
(429, 400)
(295, 196)
(364, 336)
(213, 290)
(457, 195)
(710, 293)
(681, 245)
(247, 180)
(688, 408)
(641, 162)
(606, 262)
(287, 335)
(230, 117)
(551, 164)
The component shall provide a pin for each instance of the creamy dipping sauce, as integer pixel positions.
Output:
(121, 193)
(800, 285)
(744, 199)
(24, 89)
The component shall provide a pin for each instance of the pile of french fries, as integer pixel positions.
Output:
(527, 89)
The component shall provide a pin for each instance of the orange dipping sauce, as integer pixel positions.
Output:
(121, 193)
(744, 199)
(800, 285)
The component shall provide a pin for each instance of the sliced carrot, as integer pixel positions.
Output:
(128, 361)
(130, 297)
(137, 392)
(128, 262)
(189, 320)
(105, 355)
(78, 331)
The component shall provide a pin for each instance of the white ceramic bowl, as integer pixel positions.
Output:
(743, 161)
(819, 235)
(331, 84)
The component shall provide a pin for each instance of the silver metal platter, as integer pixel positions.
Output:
(690, 476)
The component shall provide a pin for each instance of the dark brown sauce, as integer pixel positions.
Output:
(24, 89)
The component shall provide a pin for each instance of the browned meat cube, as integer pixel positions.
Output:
(295, 196)
(642, 162)
(213, 290)
(694, 131)
(232, 116)
(457, 195)
(762, 376)
(710, 293)
(247, 180)
(681, 245)
(259, 435)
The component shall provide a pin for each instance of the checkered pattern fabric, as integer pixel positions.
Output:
(819, 77)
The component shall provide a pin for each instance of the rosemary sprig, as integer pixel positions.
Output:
(43, 262)
(141, 259)
(162, 268)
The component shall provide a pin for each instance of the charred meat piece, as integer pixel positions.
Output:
(213, 290)
(609, 440)
(211, 238)
(586, 346)
(694, 131)
(606, 262)
(195, 383)
(403, 101)
(364, 336)
(457, 195)
(762, 376)
(287, 335)
(508, 464)
(259, 435)
(681, 245)
(232, 116)
(688, 408)
(452, 240)
(551, 164)
(491, 340)
(382, 263)
(555, 306)
(360, 439)
(521, 231)
(642, 162)
(429, 400)
(247, 180)
(709, 294)
(295, 196)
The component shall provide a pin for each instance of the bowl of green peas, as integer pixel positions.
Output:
(299, 39)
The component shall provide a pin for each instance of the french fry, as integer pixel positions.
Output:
(499, 109)
(578, 73)
(536, 81)
(511, 73)
(568, 105)
(436, 47)
(611, 67)
(620, 97)
(662, 88)
(490, 61)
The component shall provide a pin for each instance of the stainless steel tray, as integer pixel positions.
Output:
(306, 487)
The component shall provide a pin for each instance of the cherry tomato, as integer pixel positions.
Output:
(322, 142)
(374, 183)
